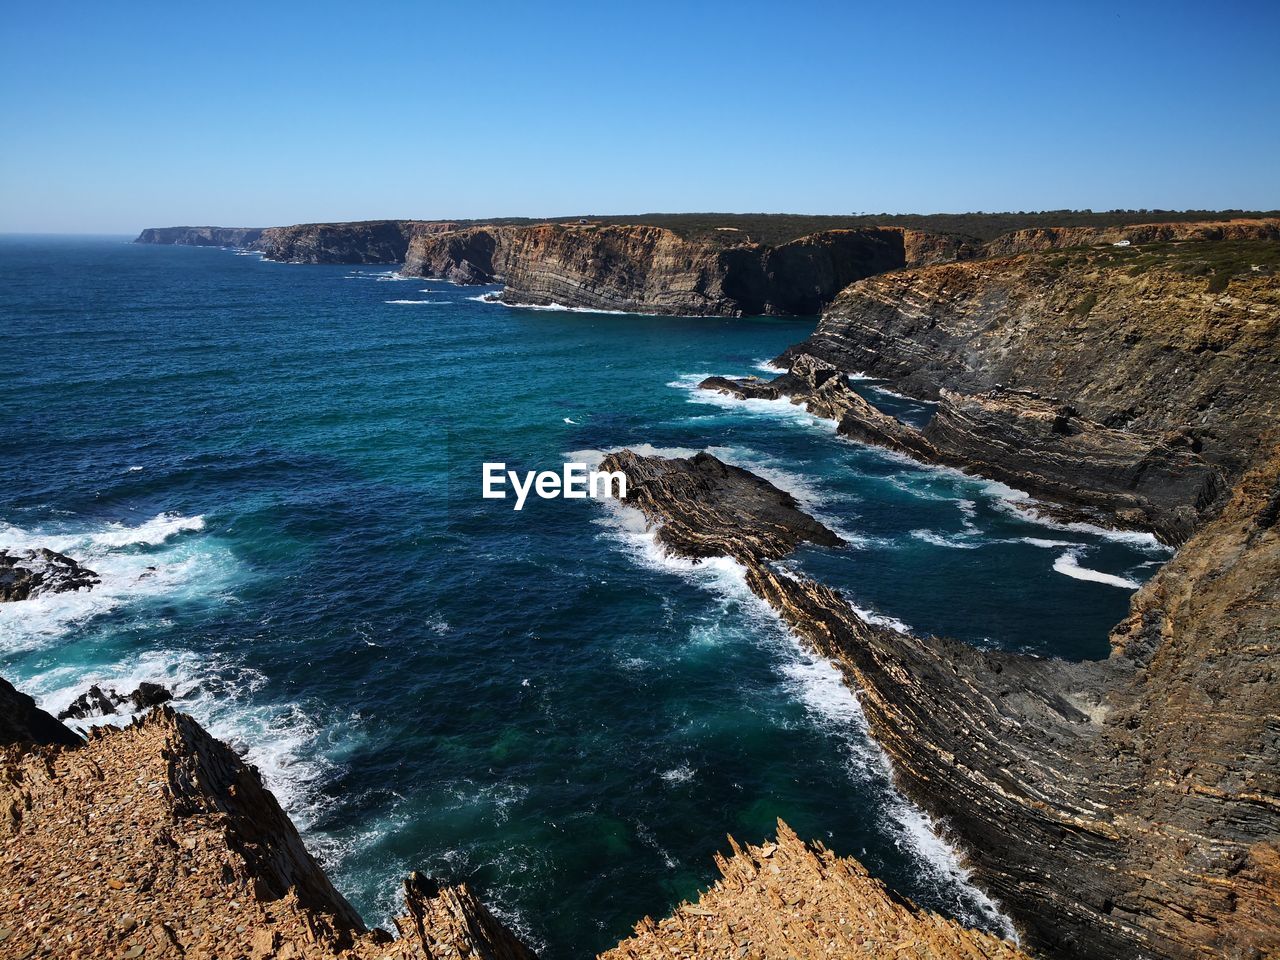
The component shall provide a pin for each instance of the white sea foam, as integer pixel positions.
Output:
(681, 774)
(226, 697)
(574, 422)
(127, 574)
(1068, 564)
(553, 307)
(941, 540)
(781, 408)
(768, 366)
(1048, 544)
(437, 302)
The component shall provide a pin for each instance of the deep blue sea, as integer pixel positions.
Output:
(276, 471)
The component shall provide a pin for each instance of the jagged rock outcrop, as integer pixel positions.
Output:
(652, 270)
(23, 724)
(789, 899)
(1178, 340)
(96, 702)
(1056, 238)
(30, 573)
(201, 236)
(1040, 445)
(1124, 808)
(157, 840)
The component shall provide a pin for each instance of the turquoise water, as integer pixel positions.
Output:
(534, 702)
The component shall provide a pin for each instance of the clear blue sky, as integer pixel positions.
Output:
(117, 116)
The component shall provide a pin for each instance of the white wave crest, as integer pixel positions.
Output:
(127, 574)
(781, 408)
(1068, 564)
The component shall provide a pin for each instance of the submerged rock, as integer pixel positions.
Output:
(29, 573)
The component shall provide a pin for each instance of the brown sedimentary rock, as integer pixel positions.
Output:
(647, 269)
(1146, 345)
(789, 899)
(1110, 476)
(156, 840)
(1124, 808)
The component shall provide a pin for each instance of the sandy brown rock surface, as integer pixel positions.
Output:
(788, 899)
(157, 841)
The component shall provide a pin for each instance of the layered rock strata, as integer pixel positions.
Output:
(789, 899)
(25, 574)
(156, 840)
(1036, 444)
(1140, 341)
(1124, 808)
(652, 270)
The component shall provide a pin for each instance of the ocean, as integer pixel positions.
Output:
(276, 470)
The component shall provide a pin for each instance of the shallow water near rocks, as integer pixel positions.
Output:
(276, 471)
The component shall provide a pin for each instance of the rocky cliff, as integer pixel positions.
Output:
(201, 236)
(652, 270)
(156, 840)
(1153, 340)
(788, 899)
(1123, 808)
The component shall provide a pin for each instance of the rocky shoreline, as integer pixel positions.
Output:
(1105, 826)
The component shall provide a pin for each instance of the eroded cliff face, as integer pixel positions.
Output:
(1181, 339)
(1123, 808)
(651, 270)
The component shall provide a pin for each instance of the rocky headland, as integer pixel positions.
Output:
(201, 236)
